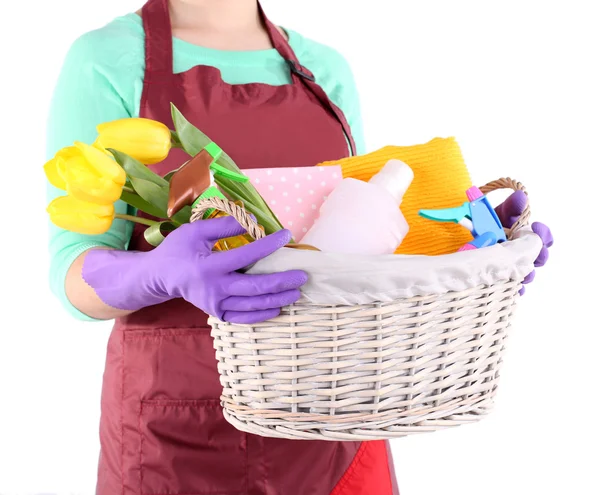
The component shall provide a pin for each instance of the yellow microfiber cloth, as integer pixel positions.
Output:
(441, 180)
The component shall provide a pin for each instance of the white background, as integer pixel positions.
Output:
(516, 82)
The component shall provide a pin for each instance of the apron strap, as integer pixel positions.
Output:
(158, 41)
(305, 76)
(159, 56)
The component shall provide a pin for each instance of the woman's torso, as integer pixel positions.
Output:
(102, 79)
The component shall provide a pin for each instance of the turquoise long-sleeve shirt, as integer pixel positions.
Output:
(102, 80)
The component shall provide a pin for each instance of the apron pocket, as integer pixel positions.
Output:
(187, 448)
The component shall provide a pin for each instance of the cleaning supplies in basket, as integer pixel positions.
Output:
(441, 179)
(295, 194)
(477, 215)
(363, 217)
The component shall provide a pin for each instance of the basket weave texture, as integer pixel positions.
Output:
(368, 372)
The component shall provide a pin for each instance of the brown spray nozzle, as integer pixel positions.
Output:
(189, 182)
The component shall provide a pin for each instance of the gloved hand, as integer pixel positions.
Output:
(184, 266)
(509, 212)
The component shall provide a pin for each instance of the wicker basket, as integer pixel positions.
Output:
(368, 372)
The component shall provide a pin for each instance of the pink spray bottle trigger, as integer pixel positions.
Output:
(477, 215)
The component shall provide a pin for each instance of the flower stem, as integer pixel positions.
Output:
(128, 189)
(133, 218)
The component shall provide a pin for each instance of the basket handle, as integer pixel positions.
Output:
(508, 183)
(241, 215)
(236, 211)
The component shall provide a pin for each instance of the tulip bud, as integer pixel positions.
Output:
(52, 168)
(96, 145)
(86, 184)
(103, 165)
(82, 217)
(146, 140)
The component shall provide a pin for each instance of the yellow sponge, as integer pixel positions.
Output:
(441, 180)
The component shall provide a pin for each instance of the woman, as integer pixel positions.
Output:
(270, 98)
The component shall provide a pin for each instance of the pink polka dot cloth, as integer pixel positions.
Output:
(295, 195)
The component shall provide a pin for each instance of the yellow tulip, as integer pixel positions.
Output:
(69, 152)
(96, 145)
(86, 184)
(82, 217)
(52, 169)
(87, 173)
(103, 165)
(146, 140)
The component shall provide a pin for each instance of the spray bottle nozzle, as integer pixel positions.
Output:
(213, 191)
(215, 152)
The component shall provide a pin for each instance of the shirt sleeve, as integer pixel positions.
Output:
(84, 97)
(348, 101)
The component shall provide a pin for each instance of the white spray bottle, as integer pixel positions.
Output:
(364, 217)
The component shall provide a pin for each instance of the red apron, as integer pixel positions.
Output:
(162, 431)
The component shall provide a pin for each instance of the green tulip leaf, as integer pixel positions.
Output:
(155, 234)
(154, 194)
(254, 204)
(263, 218)
(137, 170)
(141, 204)
(191, 139)
(158, 197)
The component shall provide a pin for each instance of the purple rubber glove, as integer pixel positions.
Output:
(509, 212)
(184, 266)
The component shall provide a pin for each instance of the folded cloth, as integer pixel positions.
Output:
(441, 180)
(295, 195)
